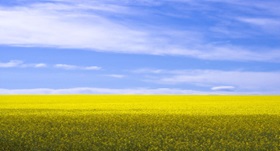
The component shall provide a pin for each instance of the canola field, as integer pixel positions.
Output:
(139, 122)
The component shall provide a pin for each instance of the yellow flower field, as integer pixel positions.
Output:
(139, 122)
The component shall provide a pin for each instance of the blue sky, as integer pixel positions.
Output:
(140, 46)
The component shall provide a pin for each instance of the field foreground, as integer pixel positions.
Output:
(139, 122)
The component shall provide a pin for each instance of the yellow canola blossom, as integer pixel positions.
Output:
(148, 104)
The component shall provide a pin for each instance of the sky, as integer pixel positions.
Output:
(139, 47)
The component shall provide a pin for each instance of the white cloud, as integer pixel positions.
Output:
(119, 76)
(223, 88)
(91, 68)
(40, 65)
(101, 91)
(11, 64)
(241, 80)
(66, 67)
(72, 25)
(74, 67)
(89, 90)
(20, 64)
(268, 24)
(261, 21)
(66, 29)
(147, 70)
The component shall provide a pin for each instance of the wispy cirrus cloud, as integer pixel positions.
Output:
(223, 88)
(21, 64)
(105, 26)
(90, 90)
(75, 67)
(57, 28)
(145, 91)
(118, 76)
(214, 79)
(40, 65)
(11, 64)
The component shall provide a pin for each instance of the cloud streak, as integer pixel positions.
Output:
(92, 27)
(20, 64)
(223, 88)
(11, 64)
(118, 76)
(86, 90)
(74, 67)
(239, 80)
(97, 91)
